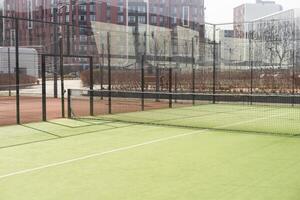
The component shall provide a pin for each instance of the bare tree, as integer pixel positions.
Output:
(277, 37)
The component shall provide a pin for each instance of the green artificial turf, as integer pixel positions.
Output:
(274, 120)
(75, 160)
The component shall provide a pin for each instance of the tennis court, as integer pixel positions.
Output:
(205, 151)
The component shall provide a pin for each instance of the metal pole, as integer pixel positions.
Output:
(55, 60)
(251, 65)
(143, 83)
(91, 86)
(102, 70)
(68, 40)
(170, 88)
(176, 83)
(9, 72)
(193, 69)
(109, 74)
(44, 106)
(157, 78)
(69, 104)
(17, 72)
(143, 60)
(214, 64)
(62, 89)
(294, 72)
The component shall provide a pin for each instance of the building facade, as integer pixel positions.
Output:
(250, 11)
(78, 16)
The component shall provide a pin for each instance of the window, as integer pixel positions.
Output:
(132, 8)
(142, 9)
(92, 17)
(82, 8)
(12, 37)
(83, 38)
(108, 3)
(67, 18)
(82, 18)
(67, 8)
(142, 19)
(132, 19)
(92, 8)
(120, 9)
(120, 18)
(161, 19)
(174, 20)
(185, 16)
(153, 19)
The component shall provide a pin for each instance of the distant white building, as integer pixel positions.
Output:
(285, 25)
(28, 61)
(251, 11)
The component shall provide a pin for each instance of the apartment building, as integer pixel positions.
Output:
(250, 11)
(162, 13)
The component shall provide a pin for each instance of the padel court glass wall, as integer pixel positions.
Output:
(257, 58)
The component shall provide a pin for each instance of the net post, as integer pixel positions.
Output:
(170, 88)
(109, 74)
(143, 83)
(214, 64)
(61, 63)
(91, 87)
(44, 106)
(17, 72)
(69, 104)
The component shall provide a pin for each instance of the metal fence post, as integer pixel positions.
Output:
(69, 104)
(91, 86)
(193, 71)
(214, 64)
(17, 72)
(143, 83)
(61, 63)
(102, 70)
(109, 74)
(44, 103)
(293, 60)
(251, 64)
(176, 83)
(68, 40)
(56, 49)
(157, 81)
(9, 71)
(170, 88)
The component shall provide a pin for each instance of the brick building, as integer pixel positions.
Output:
(163, 13)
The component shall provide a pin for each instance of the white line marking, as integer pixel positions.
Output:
(125, 148)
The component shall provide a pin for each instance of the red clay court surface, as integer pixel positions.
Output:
(31, 108)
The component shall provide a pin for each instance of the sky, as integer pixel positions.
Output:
(221, 11)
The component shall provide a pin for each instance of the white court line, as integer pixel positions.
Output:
(125, 148)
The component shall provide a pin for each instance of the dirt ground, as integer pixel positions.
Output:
(30, 109)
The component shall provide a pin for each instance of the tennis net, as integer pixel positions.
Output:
(261, 114)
